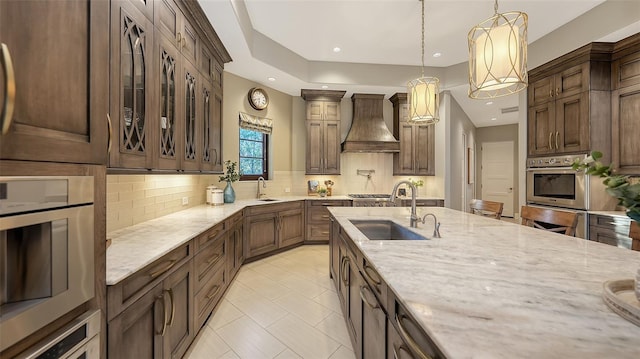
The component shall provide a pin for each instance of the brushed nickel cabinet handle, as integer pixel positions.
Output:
(163, 270)
(365, 300)
(164, 314)
(557, 91)
(557, 133)
(324, 232)
(179, 38)
(550, 144)
(9, 89)
(550, 92)
(173, 306)
(407, 339)
(344, 272)
(110, 133)
(213, 292)
(368, 271)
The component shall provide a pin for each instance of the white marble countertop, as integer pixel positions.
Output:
(494, 289)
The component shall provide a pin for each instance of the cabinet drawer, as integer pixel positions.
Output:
(129, 290)
(318, 231)
(272, 208)
(614, 224)
(208, 260)
(209, 236)
(609, 237)
(233, 220)
(317, 215)
(329, 203)
(209, 295)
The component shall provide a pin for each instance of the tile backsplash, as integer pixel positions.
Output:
(132, 199)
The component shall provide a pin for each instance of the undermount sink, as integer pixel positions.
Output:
(377, 230)
(268, 199)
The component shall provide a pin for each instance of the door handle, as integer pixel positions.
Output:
(365, 300)
(550, 144)
(557, 133)
(173, 306)
(164, 314)
(9, 88)
(110, 133)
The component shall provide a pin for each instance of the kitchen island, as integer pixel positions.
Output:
(494, 289)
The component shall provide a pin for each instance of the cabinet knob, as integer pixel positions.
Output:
(10, 88)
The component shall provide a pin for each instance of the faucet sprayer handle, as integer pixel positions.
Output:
(436, 231)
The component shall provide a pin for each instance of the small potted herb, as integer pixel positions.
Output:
(322, 191)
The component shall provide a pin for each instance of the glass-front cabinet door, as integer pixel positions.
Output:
(191, 150)
(130, 98)
(167, 130)
(211, 129)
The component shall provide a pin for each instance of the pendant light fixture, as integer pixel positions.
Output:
(498, 55)
(424, 93)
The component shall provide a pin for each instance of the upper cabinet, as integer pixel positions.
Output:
(625, 70)
(166, 87)
(323, 131)
(569, 103)
(417, 142)
(55, 85)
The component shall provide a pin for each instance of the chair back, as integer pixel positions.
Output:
(561, 221)
(634, 233)
(486, 208)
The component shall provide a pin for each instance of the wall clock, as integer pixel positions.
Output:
(258, 98)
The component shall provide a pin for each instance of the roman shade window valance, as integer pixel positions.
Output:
(255, 123)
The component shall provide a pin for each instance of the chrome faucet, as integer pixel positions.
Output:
(264, 185)
(413, 222)
(436, 229)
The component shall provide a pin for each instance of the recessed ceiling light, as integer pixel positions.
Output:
(493, 119)
(325, 86)
(337, 49)
(437, 54)
(489, 103)
(271, 79)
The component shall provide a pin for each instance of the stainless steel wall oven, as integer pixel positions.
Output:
(46, 251)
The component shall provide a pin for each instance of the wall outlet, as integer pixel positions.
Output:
(185, 201)
(287, 190)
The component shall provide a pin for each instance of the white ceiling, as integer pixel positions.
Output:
(293, 40)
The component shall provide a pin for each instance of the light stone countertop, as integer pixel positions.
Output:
(494, 289)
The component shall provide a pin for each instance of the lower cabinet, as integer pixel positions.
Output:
(235, 245)
(159, 324)
(612, 230)
(317, 215)
(378, 324)
(271, 227)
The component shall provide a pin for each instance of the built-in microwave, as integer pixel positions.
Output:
(46, 251)
(557, 186)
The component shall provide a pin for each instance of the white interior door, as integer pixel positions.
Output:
(497, 174)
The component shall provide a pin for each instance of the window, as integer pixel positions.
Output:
(253, 154)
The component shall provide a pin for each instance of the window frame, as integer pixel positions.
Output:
(265, 156)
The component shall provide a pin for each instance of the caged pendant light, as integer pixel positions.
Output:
(498, 55)
(424, 93)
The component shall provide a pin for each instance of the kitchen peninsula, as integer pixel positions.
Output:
(486, 289)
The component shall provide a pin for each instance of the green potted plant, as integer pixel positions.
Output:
(322, 191)
(230, 176)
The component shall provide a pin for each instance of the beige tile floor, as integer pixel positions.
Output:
(284, 306)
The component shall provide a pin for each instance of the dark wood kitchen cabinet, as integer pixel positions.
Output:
(132, 93)
(166, 88)
(569, 105)
(235, 244)
(323, 131)
(159, 324)
(379, 325)
(625, 99)
(317, 218)
(271, 227)
(417, 142)
(60, 103)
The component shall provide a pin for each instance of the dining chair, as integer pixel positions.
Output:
(550, 219)
(486, 208)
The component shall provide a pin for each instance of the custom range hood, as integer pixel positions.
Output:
(368, 132)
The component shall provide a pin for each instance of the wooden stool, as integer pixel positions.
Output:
(563, 222)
